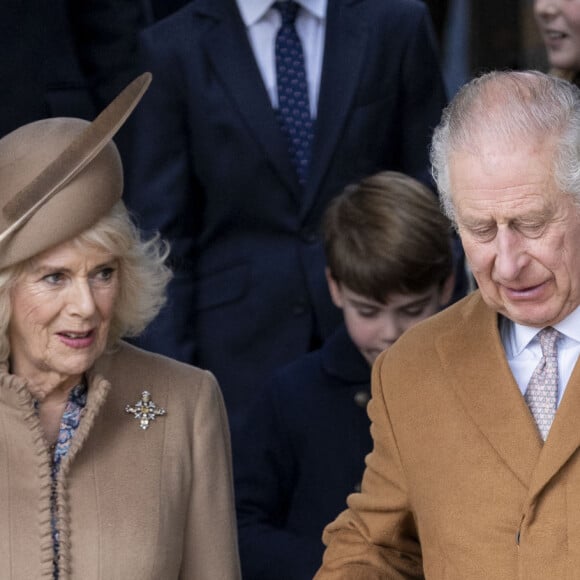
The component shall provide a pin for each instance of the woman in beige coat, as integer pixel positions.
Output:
(114, 463)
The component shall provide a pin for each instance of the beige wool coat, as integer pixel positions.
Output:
(147, 504)
(459, 485)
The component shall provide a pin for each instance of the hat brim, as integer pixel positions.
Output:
(86, 147)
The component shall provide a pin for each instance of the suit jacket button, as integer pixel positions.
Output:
(309, 235)
(358, 487)
(361, 398)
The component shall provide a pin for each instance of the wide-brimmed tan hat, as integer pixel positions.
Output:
(59, 176)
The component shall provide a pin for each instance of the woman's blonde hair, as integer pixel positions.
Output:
(143, 276)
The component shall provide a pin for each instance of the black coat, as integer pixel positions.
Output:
(297, 457)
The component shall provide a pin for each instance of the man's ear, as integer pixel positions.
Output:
(334, 288)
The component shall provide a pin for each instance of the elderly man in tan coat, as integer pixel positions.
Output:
(475, 471)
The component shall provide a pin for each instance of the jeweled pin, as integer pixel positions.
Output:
(145, 410)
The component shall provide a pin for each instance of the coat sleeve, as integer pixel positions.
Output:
(265, 477)
(161, 189)
(210, 541)
(376, 537)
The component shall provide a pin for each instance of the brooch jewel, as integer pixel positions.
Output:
(145, 410)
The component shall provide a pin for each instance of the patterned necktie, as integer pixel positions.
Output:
(293, 106)
(542, 392)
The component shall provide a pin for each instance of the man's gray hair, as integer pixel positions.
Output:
(510, 107)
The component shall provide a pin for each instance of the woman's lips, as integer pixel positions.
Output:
(77, 339)
(554, 38)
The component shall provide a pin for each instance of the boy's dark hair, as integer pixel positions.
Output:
(387, 235)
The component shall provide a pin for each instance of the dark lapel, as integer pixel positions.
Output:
(228, 48)
(342, 360)
(344, 57)
(482, 378)
(563, 439)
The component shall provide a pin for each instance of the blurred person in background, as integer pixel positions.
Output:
(559, 25)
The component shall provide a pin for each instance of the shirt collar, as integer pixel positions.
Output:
(517, 337)
(253, 10)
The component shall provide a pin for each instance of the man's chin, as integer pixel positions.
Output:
(538, 315)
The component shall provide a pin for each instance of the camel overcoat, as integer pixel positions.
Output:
(459, 485)
(133, 503)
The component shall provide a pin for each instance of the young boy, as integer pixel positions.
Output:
(302, 451)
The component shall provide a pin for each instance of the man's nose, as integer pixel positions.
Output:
(510, 255)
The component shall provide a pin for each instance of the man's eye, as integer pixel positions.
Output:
(532, 229)
(483, 234)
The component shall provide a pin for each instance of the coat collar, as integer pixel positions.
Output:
(347, 22)
(252, 10)
(474, 358)
(226, 44)
(342, 360)
(14, 393)
(494, 402)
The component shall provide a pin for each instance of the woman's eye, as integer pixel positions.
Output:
(105, 274)
(54, 278)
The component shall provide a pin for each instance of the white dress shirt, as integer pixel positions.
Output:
(523, 349)
(262, 23)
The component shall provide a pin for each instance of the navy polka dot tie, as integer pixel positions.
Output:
(293, 106)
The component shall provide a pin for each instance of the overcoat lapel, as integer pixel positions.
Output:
(344, 57)
(497, 407)
(563, 439)
(228, 48)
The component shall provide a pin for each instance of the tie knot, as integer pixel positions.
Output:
(548, 339)
(288, 11)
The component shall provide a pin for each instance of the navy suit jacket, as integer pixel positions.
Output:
(298, 456)
(211, 172)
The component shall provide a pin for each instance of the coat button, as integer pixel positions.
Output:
(309, 235)
(299, 308)
(361, 398)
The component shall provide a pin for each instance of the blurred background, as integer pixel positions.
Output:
(476, 36)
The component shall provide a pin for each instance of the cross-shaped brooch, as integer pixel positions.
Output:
(145, 410)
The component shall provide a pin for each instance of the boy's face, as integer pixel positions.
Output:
(375, 326)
